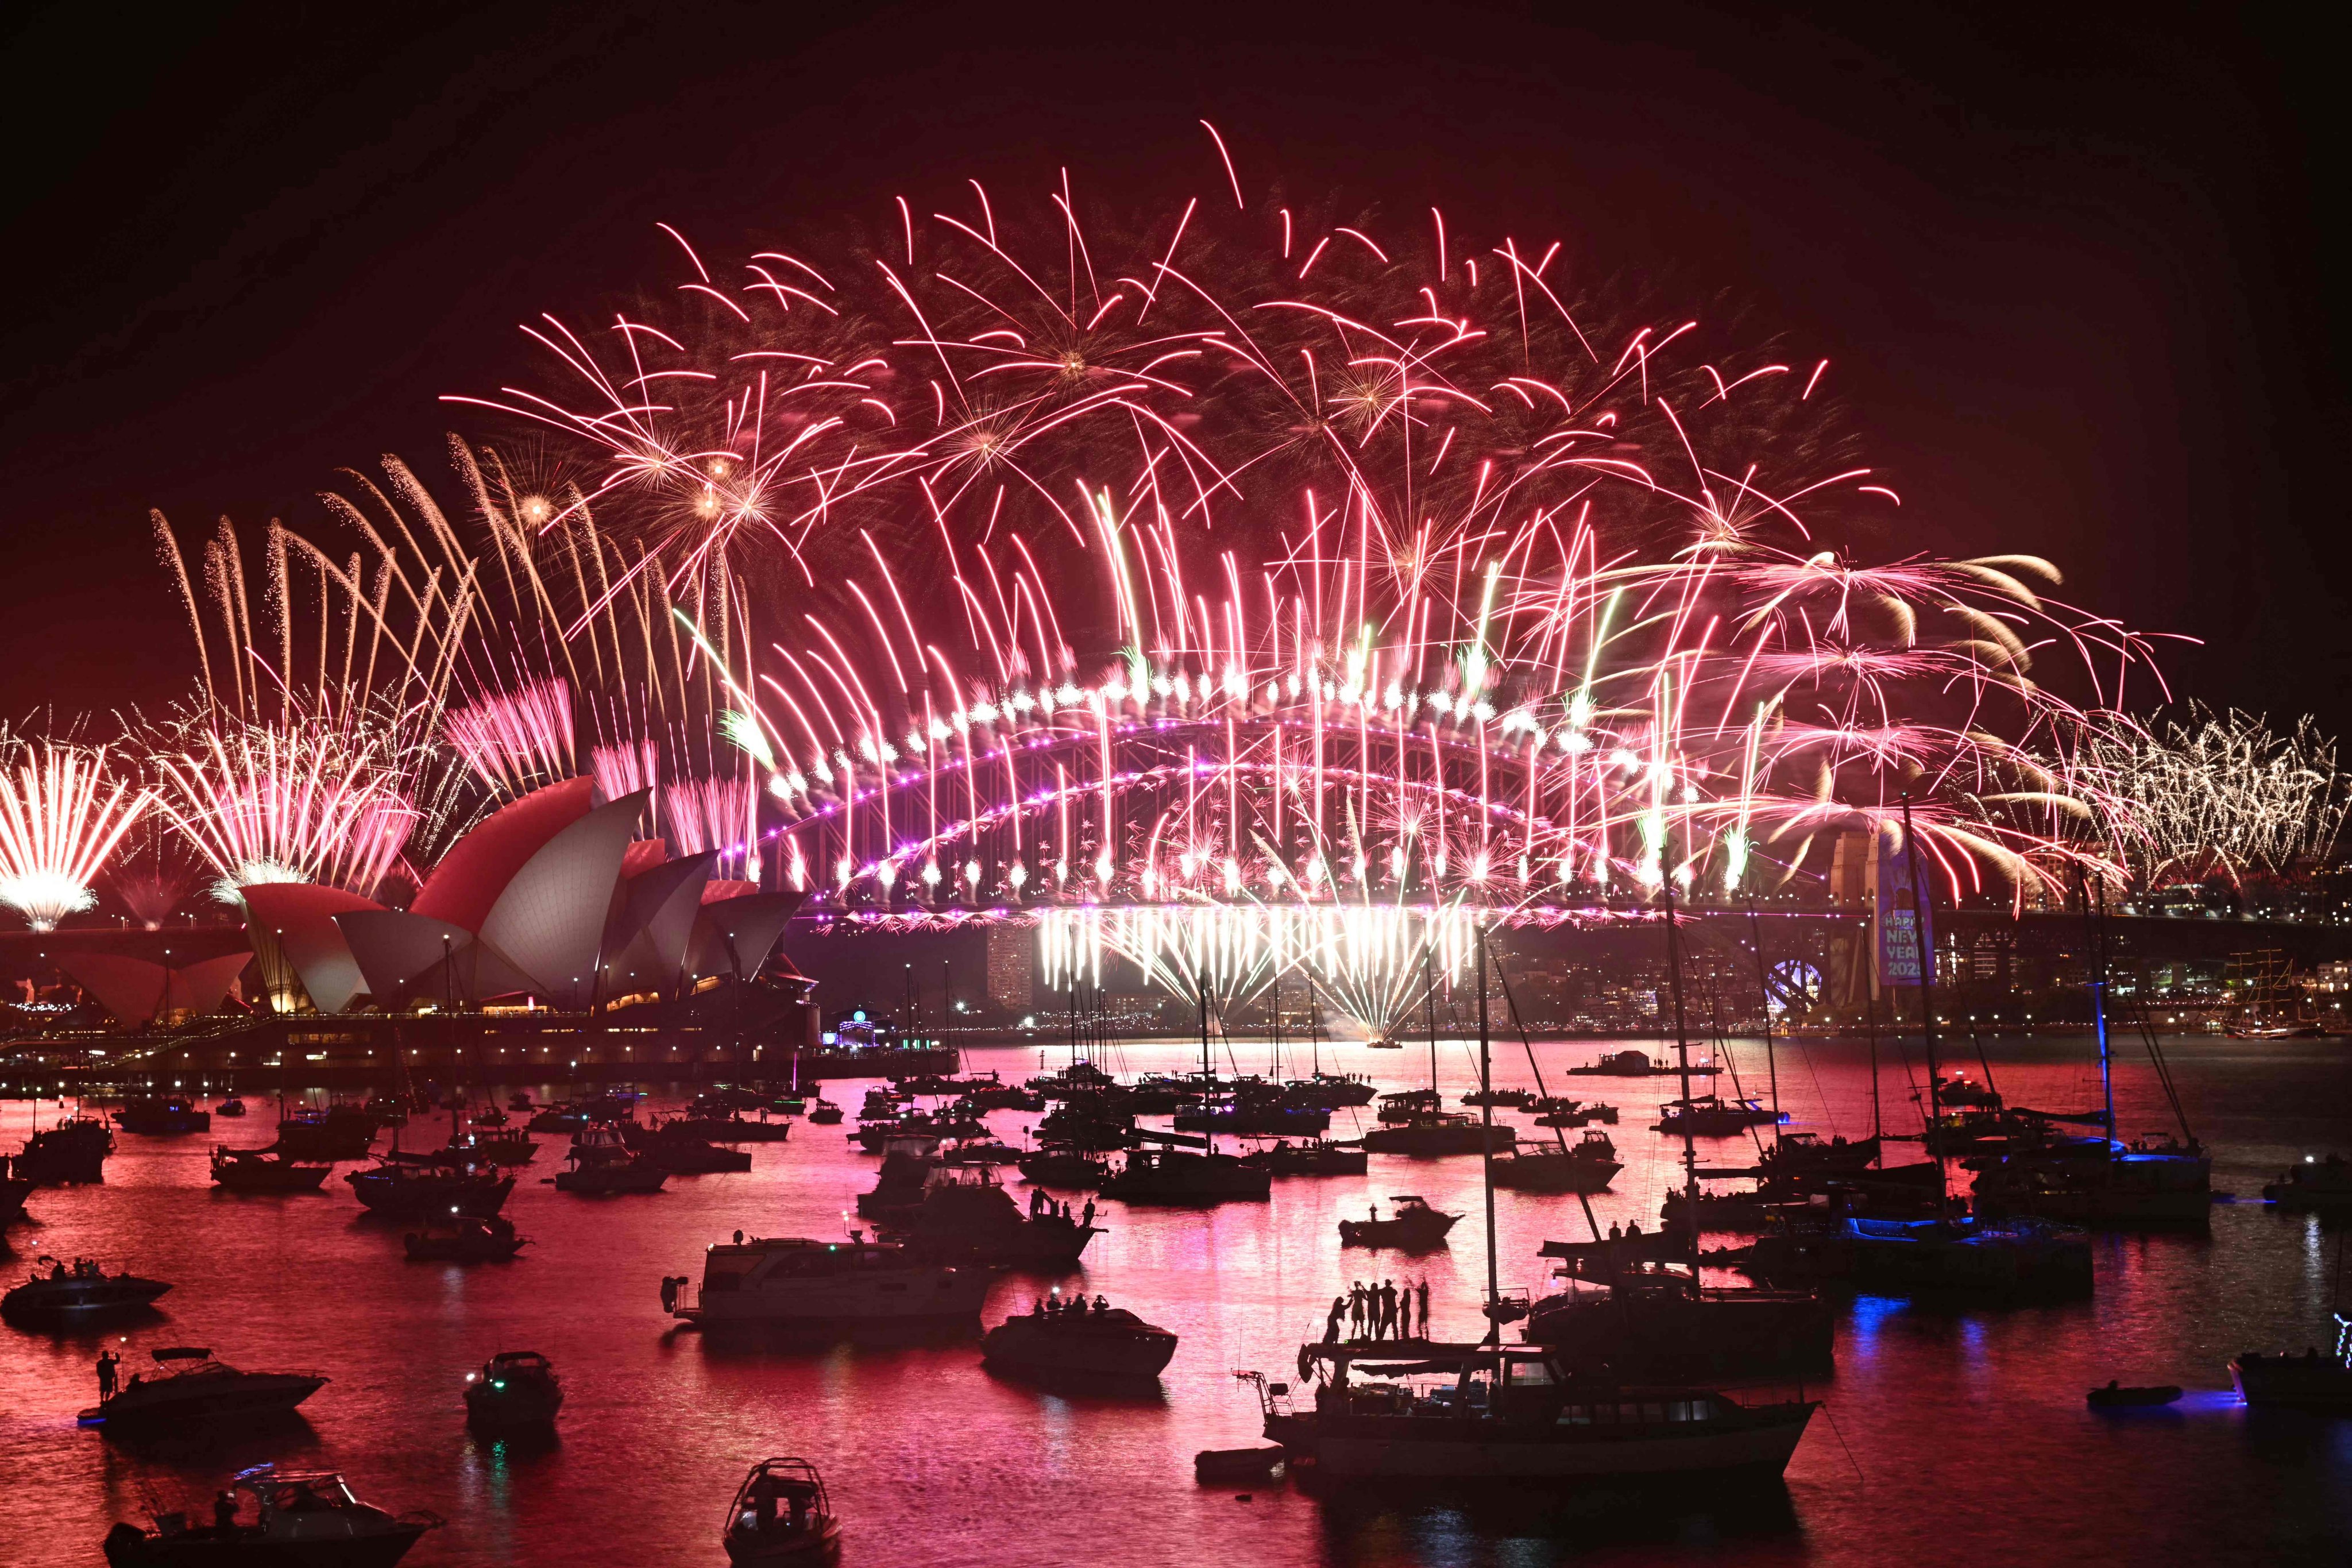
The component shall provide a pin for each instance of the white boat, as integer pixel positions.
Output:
(797, 1282)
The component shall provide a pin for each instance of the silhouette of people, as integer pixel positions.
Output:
(1356, 1310)
(1388, 1309)
(107, 1361)
(1404, 1311)
(1331, 1323)
(225, 1513)
(1424, 1306)
(1090, 1212)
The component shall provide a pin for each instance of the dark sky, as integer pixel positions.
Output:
(2070, 267)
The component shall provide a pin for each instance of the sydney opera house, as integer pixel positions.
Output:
(550, 930)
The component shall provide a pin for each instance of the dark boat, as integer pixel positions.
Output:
(789, 1284)
(1184, 1176)
(232, 1106)
(1320, 1157)
(678, 1148)
(899, 1186)
(72, 1152)
(254, 1171)
(1804, 1153)
(1624, 1064)
(305, 1518)
(1414, 1228)
(1476, 1413)
(1238, 1467)
(194, 1389)
(338, 1132)
(2151, 1182)
(1330, 1091)
(84, 1293)
(1588, 1165)
(1439, 1133)
(2284, 1380)
(781, 1514)
(964, 1217)
(1648, 1320)
(734, 1129)
(1058, 1166)
(2316, 1186)
(823, 1112)
(13, 1194)
(1074, 1340)
(1711, 1116)
(1245, 1117)
(601, 1164)
(514, 1390)
(461, 1239)
(2114, 1396)
(2022, 1256)
(1501, 1099)
(416, 1192)
(162, 1115)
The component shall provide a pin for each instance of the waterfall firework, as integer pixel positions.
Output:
(60, 816)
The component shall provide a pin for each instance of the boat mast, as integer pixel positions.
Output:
(1429, 1011)
(1764, 995)
(1682, 1060)
(1877, 1126)
(1208, 1108)
(2098, 931)
(1486, 1144)
(1921, 950)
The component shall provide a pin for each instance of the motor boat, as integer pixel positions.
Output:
(1711, 1116)
(80, 1294)
(1494, 1411)
(232, 1106)
(1057, 1339)
(1432, 1134)
(1414, 1227)
(794, 1283)
(417, 1192)
(2315, 1185)
(254, 1171)
(1184, 1176)
(2312, 1382)
(13, 1194)
(514, 1389)
(600, 1164)
(1057, 1166)
(963, 1216)
(74, 1151)
(680, 1149)
(463, 1238)
(1588, 1165)
(781, 1514)
(337, 1132)
(192, 1388)
(2115, 1397)
(304, 1517)
(162, 1115)
(1623, 1064)
(1318, 1157)
(823, 1112)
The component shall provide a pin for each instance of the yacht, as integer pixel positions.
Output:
(2315, 1184)
(964, 1217)
(2307, 1382)
(84, 1293)
(417, 1192)
(74, 1151)
(781, 1514)
(1171, 1175)
(254, 1170)
(797, 1282)
(600, 1164)
(1511, 1413)
(1415, 1226)
(305, 1517)
(162, 1115)
(1057, 1339)
(1624, 1064)
(1712, 1116)
(514, 1389)
(1588, 1165)
(192, 1388)
(462, 1238)
(1320, 1157)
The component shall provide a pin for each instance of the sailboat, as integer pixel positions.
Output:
(1415, 1122)
(1489, 1411)
(1183, 1167)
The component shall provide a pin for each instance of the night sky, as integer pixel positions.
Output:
(2069, 271)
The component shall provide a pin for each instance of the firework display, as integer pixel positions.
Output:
(60, 816)
(2223, 794)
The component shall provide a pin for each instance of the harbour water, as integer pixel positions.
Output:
(1948, 1435)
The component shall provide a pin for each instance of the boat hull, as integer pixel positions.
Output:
(129, 1547)
(159, 1407)
(1550, 1453)
(847, 1302)
(1034, 1348)
(27, 1304)
(2291, 1382)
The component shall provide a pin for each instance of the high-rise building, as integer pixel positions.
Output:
(1012, 966)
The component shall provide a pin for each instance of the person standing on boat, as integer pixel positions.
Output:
(1424, 1306)
(1404, 1311)
(1356, 1310)
(1388, 1309)
(1331, 1323)
(107, 1361)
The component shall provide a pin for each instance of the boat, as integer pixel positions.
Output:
(1318, 1157)
(601, 1164)
(823, 1112)
(464, 1238)
(232, 1106)
(305, 1517)
(2019, 1256)
(1176, 1175)
(2284, 1380)
(1492, 1412)
(1635, 1310)
(1057, 1165)
(982, 1152)
(1623, 1064)
(1058, 1339)
(1503, 1099)
(1437, 1134)
(338, 1132)
(514, 1389)
(1414, 1227)
(781, 1514)
(1331, 1092)
(793, 1282)
(1587, 1165)
(83, 1293)
(2114, 1396)
(521, 1100)
(1260, 1120)
(1804, 1153)
(565, 1117)
(417, 1192)
(963, 1216)
(13, 1194)
(2316, 1186)
(254, 1170)
(1745, 1210)
(162, 1115)
(732, 1128)
(1711, 1116)
(192, 1388)
(678, 1149)
(2152, 1181)
(1383, 1043)
(1238, 1467)
(72, 1152)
